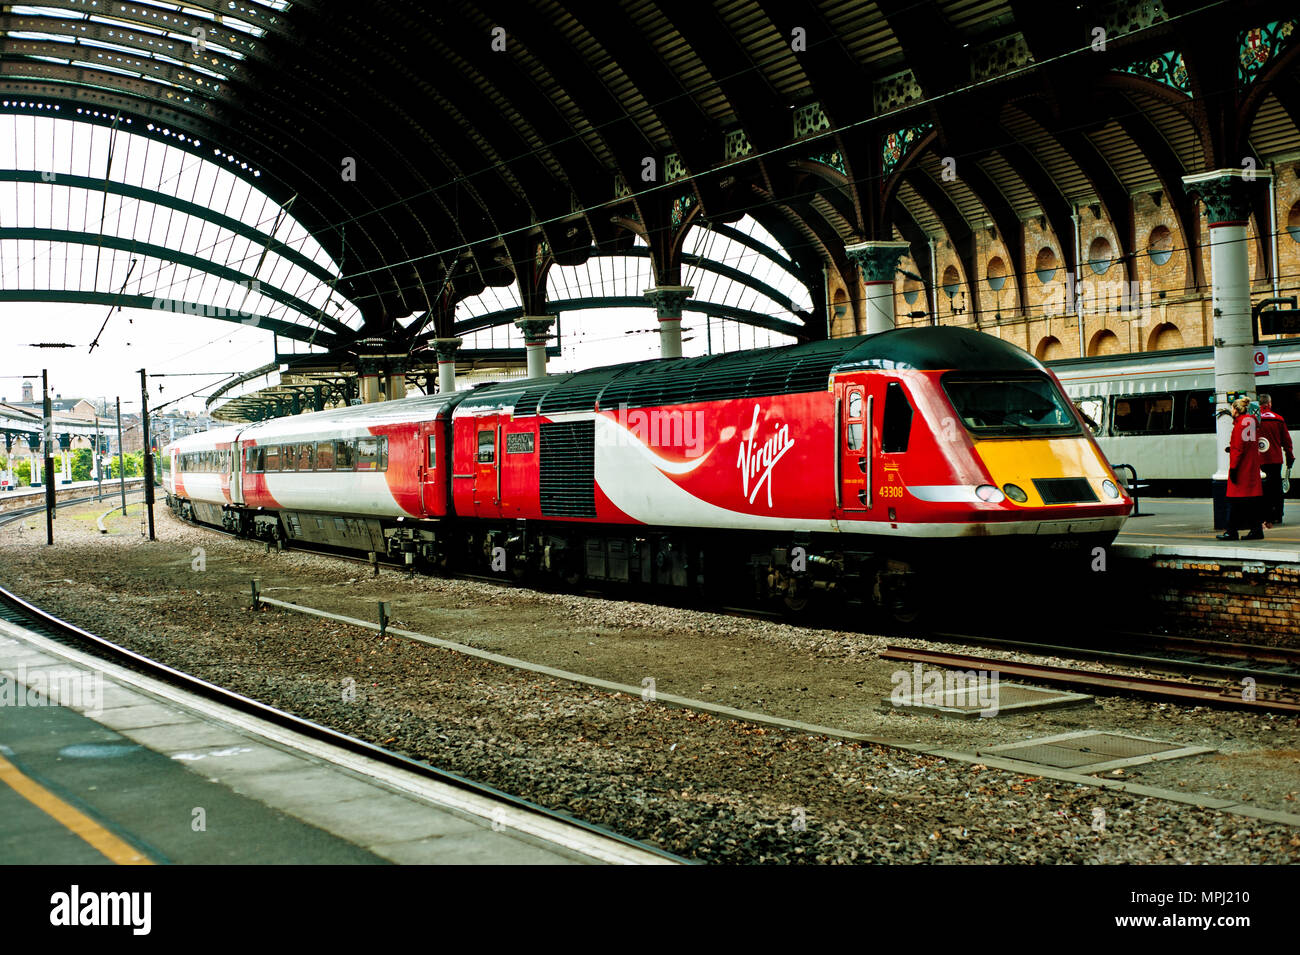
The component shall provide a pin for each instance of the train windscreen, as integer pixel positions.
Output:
(1006, 406)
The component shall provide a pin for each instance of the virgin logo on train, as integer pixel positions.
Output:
(756, 460)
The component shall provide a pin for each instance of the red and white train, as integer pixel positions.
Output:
(852, 465)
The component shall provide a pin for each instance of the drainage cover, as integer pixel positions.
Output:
(1092, 752)
(981, 699)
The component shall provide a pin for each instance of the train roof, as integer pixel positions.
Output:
(759, 372)
(355, 419)
(1174, 369)
(787, 369)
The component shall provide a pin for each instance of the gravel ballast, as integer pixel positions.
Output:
(705, 787)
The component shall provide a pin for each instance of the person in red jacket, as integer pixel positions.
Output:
(1245, 490)
(1274, 451)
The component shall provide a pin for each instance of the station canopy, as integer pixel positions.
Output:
(374, 167)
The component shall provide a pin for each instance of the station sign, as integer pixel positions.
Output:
(1261, 361)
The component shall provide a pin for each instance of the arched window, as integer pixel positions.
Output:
(996, 273)
(1045, 264)
(1104, 342)
(951, 280)
(1099, 255)
(1165, 335)
(1049, 349)
(1160, 245)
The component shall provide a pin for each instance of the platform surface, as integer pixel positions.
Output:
(124, 776)
(1184, 527)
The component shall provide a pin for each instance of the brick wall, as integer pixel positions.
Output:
(1250, 603)
(1172, 311)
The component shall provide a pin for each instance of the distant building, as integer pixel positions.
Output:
(61, 406)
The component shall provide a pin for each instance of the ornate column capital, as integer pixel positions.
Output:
(669, 300)
(536, 328)
(445, 348)
(878, 261)
(1225, 192)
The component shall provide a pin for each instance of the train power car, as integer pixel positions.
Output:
(854, 467)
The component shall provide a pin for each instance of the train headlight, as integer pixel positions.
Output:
(1109, 489)
(1014, 492)
(989, 494)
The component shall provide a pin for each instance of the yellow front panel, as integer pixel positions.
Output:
(1019, 460)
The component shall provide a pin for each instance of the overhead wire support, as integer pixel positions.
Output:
(117, 304)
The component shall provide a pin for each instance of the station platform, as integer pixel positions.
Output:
(134, 771)
(109, 484)
(1184, 528)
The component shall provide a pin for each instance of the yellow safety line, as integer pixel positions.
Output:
(78, 823)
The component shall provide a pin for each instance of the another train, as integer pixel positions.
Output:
(1155, 412)
(859, 467)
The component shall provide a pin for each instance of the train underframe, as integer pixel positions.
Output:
(798, 572)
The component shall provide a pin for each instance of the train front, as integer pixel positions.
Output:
(1041, 472)
(978, 442)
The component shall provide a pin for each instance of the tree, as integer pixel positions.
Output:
(81, 461)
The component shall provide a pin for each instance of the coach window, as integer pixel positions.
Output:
(305, 454)
(325, 455)
(1092, 410)
(1198, 415)
(345, 454)
(896, 426)
(367, 454)
(273, 458)
(487, 447)
(1143, 413)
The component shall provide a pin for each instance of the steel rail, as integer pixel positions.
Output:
(1151, 686)
(65, 632)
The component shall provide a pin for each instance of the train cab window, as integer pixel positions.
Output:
(325, 455)
(896, 426)
(855, 404)
(487, 447)
(1007, 407)
(1143, 414)
(272, 458)
(345, 455)
(306, 454)
(1198, 413)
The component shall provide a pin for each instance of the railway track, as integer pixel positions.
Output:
(26, 615)
(1238, 696)
(12, 517)
(1272, 665)
(1274, 670)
